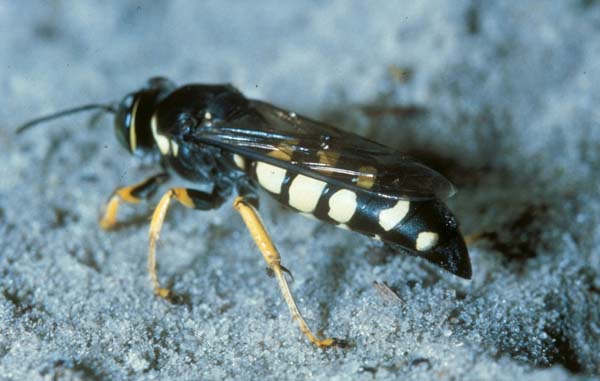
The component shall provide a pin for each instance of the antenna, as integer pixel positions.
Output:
(93, 106)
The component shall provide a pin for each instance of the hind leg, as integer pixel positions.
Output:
(271, 255)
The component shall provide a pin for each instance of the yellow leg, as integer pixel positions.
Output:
(273, 259)
(132, 195)
(473, 238)
(181, 195)
(109, 220)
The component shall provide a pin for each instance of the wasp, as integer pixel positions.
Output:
(213, 135)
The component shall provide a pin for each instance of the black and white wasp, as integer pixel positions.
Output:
(213, 134)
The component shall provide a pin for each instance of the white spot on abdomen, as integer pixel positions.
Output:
(342, 205)
(305, 192)
(269, 176)
(426, 240)
(239, 161)
(388, 218)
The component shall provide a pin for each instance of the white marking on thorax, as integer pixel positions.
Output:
(388, 218)
(270, 177)
(305, 192)
(342, 205)
(161, 141)
(174, 147)
(426, 240)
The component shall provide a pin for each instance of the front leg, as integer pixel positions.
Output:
(132, 194)
(190, 198)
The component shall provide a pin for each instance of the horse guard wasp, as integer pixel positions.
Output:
(213, 134)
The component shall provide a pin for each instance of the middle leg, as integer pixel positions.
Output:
(190, 198)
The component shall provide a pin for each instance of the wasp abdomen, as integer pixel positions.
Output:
(426, 228)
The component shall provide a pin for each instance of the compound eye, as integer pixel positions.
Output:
(124, 120)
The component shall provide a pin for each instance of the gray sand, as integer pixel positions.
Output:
(503, 99)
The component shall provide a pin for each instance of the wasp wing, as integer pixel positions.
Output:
(267, 133)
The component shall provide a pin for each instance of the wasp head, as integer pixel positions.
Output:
(133, 115)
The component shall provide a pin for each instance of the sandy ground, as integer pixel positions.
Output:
(502, 98)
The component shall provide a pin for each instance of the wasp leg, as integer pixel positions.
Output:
(246, 188)
(476, 237)
(132, 194)
(271, 255)
(189, 198)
